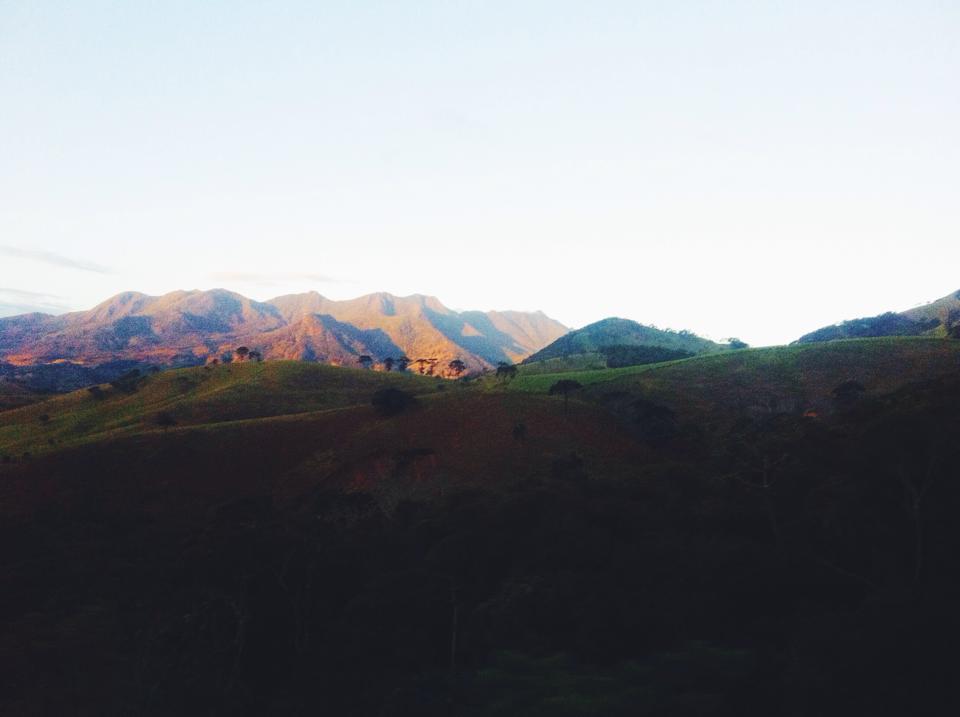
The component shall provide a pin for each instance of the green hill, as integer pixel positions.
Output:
(621, 342)
(793, 379)
(194, 396)
(940, 319)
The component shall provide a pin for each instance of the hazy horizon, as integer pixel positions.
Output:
(14, 310)
(734, 169)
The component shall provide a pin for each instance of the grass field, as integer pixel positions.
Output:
(878, 363)
(195, 396)
(711, 389)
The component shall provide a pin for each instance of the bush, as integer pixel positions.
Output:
(128, 382)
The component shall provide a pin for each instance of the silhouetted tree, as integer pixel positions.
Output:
(403, 363)
(242, 352)
(431, 366)
(388, 364)
(391, 401)
(564, 387)
(506, 371)
(736, 343)
(365, 361)
(457, 367)
(422, 365)
(256, 356)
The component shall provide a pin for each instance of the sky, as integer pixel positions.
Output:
(751, 169)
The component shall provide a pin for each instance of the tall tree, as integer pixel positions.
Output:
(506, 371)
(365, 361)
(388, 363)
(564, 387)
(457, 367)
(242, 352)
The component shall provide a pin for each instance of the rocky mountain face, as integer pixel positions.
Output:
(189, 327)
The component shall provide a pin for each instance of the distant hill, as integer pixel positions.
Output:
(186, 328)
(622, 342)
(938, 319)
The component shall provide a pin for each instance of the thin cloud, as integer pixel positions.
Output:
(48, 257)
(26, 295)
(19, 309)
(273, 279)
(19, 301)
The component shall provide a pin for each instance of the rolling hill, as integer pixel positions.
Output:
(191, 327)
(614, 342)
(940, 318)
(709, 536)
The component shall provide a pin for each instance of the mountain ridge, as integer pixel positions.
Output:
(195, 326)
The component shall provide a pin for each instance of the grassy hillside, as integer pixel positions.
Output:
(794, 379)
(194, 396)
(593, 339)
(285, 549)
(13, 396)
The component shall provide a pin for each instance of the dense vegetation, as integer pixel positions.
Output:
(727, 535)
(603, 335)
(939, 319)
(889, 324)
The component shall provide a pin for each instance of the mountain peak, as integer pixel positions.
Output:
(183, 327)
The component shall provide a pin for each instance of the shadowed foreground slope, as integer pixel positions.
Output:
(489, 552)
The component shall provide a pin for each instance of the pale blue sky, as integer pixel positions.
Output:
(735, 168)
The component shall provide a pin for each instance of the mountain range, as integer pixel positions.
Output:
(191, 327)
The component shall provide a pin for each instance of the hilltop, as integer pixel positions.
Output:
(191, 327)
(619, 342)
(939, 319)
